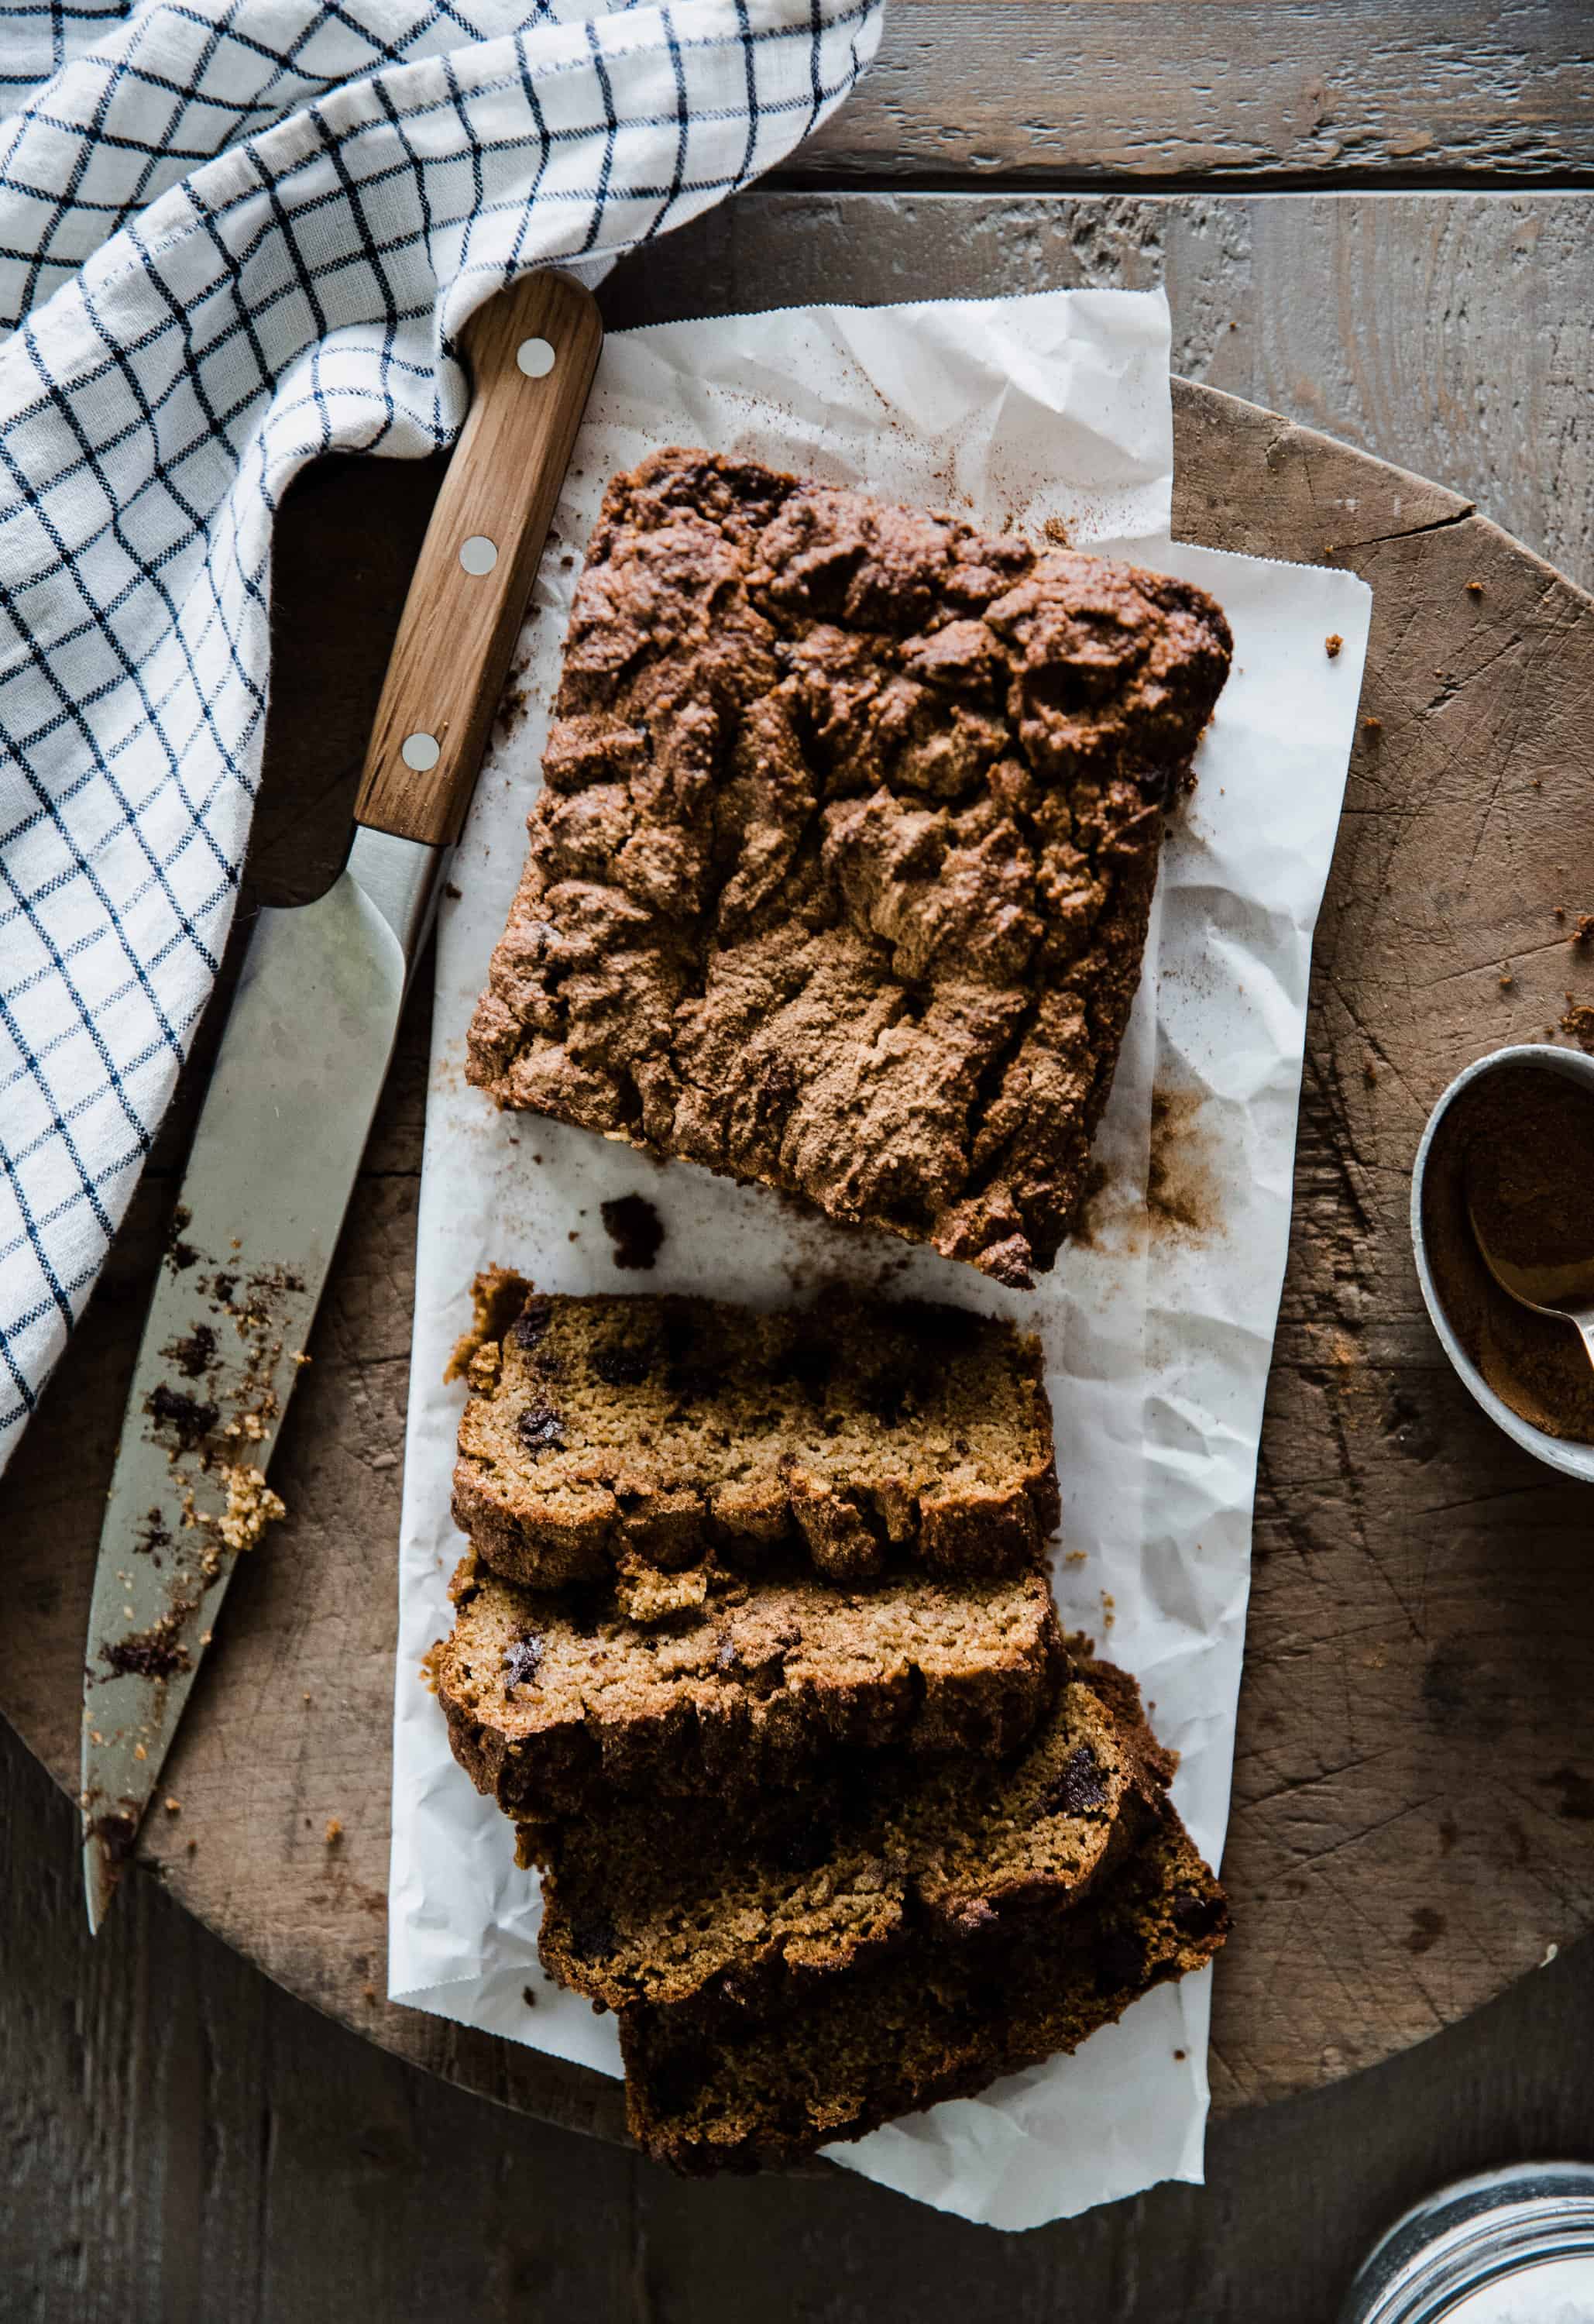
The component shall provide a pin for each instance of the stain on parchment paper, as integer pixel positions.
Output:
(1094, 1222)
(1184, 1188)
(829, 1254)
(1182, 1196)
(448, 1075)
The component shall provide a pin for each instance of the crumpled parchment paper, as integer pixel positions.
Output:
(1051, 414)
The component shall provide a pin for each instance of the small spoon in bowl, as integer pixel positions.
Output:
(1564, 1293)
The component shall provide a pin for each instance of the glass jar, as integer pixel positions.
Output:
(1512, 2246)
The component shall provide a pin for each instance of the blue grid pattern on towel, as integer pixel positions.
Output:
(236, 234)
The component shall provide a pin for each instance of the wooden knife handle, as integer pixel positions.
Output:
(460, 621)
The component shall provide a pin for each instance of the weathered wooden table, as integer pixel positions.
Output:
(1415, 1727)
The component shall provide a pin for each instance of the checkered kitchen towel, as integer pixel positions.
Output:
(234, 235)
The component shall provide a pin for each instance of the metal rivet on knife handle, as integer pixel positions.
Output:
(420, 751)
(478, 554)
(532, 352)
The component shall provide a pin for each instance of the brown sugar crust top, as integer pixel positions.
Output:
(648, 1437)
(664, 1904)
(840, 877)
(557, 1701)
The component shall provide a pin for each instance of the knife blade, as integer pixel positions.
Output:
(300, 1067)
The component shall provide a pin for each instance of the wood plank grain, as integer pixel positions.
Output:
(1454, 337)
(183, 2141)
(1220, 93)
(1421, 1621)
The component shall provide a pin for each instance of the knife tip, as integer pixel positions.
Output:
(98, 1885)
(107, 1843)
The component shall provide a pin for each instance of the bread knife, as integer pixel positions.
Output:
(300, 1067)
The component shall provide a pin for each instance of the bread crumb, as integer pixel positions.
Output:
(193, 1845)
(334, 1830)
(1584, 931)
(139, 1752)
(528, 1996)
(1506, 978)
(1109, 1609)
(1372, 728)
(1075, 1557)
(368, 1993)
(1332, 645)
(1180, 2054)
(1474, 588)
(1370, 1070)
(251, 1506)
(1559, 910)
(173, 1807)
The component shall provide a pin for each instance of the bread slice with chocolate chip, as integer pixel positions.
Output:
(556, 1704)
(672, 1902)
(639, 1441)
(942, 2017)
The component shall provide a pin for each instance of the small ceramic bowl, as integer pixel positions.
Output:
(1572, 1459)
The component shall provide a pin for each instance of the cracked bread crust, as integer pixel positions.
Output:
(556, 1707)
(840, 877)
(666, 1905)
(640, 1440)
(942, 2018)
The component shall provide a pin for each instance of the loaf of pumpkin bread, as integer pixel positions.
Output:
(840, 872)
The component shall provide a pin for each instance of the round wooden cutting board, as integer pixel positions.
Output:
(1414, 1782)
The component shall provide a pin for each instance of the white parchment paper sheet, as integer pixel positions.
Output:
(1026, 412)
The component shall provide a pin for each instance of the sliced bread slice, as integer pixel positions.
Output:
(647, 1435)
(941, 2018)
(667, 1903)
(554, 1703)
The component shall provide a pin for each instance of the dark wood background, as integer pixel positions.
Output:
(182, 2140)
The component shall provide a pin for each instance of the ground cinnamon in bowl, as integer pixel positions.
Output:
(1517, 1145)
